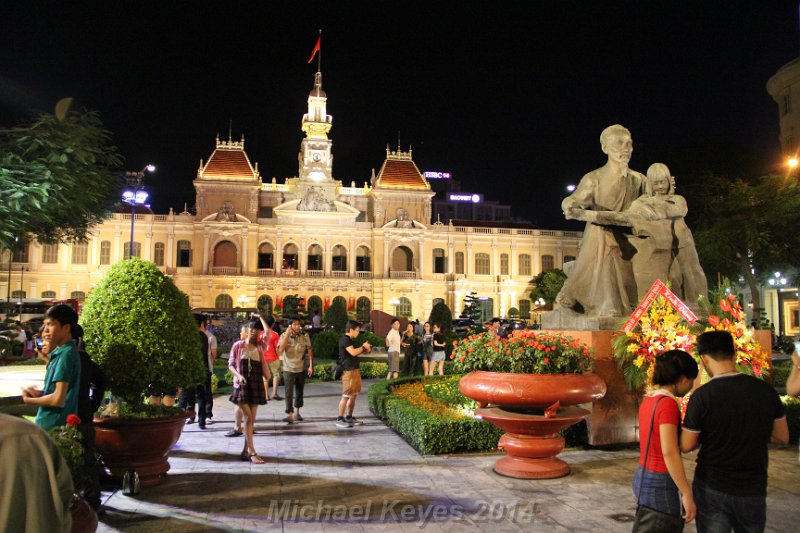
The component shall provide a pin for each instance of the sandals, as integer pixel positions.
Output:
(256, 460)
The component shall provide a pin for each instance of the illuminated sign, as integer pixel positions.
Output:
(465, 197)
(434, 175)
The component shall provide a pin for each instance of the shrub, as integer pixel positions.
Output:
(336, 315)
(441, 314)
(369, 370)
(139, 328)
(368, 336)
(326, 344)
(792, 406)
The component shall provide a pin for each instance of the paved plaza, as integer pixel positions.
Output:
(322, 478)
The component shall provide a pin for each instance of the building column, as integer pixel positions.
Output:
(147, 252)
(451, 259)
(351, 258)
(327, 259)
(302, 258)
(170, 259)
(513, 268)
(279, 255)
(495, 266)
(468, 260)
(206, 258)
(386, 257)
(244, 270)
(422, 252)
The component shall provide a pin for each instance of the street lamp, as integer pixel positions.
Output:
(134, 194)
(242, 300)
(777, 280)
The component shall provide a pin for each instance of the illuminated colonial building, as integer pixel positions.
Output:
(311, 235)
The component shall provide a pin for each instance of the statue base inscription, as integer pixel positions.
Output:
(568, 320)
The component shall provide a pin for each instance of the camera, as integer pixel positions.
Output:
(39, 342)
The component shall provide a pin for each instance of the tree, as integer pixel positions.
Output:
(58, 178)
(290, 307)
(336, 315)
(547, 285)
(472, 307)
(441, 314)
(745, 228)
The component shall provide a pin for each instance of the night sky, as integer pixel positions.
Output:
(508, 96)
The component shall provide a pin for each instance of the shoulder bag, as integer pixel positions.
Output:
(648, 520)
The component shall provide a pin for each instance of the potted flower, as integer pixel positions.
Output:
(138, 327)
(529, 385)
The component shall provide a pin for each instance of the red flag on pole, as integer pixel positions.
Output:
(316, 49)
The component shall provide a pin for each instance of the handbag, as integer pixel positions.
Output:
(647, 519)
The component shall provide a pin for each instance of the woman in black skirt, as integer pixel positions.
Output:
(248, 385)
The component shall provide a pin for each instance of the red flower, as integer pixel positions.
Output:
(724, 305)
(713, 320)
(546, 360)
(73, 420)
(455, 343)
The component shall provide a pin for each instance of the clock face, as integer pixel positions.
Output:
(316, 158)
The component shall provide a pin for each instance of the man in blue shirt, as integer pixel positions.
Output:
(62, 378)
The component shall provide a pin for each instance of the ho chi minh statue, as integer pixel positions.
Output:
(635, 234)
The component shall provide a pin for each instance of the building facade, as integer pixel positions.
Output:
(377, 246)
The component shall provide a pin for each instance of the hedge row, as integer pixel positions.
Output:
(792, 406)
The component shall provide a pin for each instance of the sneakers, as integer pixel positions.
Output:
(233, 433)
(354, 421)
(342, 423)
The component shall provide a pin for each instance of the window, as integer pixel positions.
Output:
(264, 304)
(404, 307)
(126, 250)
(78, 295)
(314, 305)
(524, 265)
(362, 259)
(568, 258)
(17, 295)
(439, 261)
(459, 262)
(158, 254)
(547, 263)
(105, 253)
(315, 257)
(786, 104)
(524, 309)
(80, 253)
(266, 258)
(20, 255)
(50, 253)
(363, 308)
(504, 264)
(482, 264)
(339, 259)
(184, 254)
(223, 301)
(48, 294)
(289, 257)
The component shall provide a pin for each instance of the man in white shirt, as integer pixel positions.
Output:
(393, 347)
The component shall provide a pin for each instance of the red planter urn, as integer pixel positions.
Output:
(532, 409)
(139, 444)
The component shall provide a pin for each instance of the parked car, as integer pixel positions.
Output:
(462, 325)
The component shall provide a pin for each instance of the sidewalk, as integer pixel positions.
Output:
(322, 478)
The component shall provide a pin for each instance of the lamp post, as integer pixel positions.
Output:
(778, 281)
(134, 194)
(242, 300)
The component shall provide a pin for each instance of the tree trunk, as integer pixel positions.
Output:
(754, 291)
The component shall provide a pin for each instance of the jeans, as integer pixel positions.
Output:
(658, 492)
(718, 512)
(187, 399)
(293, 383)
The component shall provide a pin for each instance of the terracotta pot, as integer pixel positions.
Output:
(531, 391)
(139, 444)
(531, 441)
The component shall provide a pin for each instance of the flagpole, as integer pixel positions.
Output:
(319, 53)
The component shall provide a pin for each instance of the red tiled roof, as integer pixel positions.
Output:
(400, 174)
(228, 164)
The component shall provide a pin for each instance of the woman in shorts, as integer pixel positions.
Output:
(438, 350)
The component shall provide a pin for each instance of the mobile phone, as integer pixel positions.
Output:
(38, 341)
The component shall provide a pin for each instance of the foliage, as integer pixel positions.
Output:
(441, 314)
(28, 362)
(780, 372)
(660, 329)
(58, 178)
(792, 407)
(70, 443)
(371, 338)
(139, 329)
(446, 390)
(336, 315)
(472, 307)
(326, 344)
(523, 352)
(264, 305)
(369, 370)
(513, 312)
(547, 285)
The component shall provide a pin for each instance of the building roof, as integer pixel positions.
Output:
(229, 162)
(400, 172)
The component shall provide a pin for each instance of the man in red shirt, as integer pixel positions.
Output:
(268, 344)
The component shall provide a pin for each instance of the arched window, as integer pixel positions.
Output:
(158, 254)
(568, 258)
(404, 307)
(459, 262)
(223, 301)
(524, 309)
(314, 305)
(339, 258)
(482, 263)
(78, 295)
(289, 257)
(266, 256)
(504, 264)
(105, 253)
(548, 263)
(363, 263)
(225, 254)
(50, 253)
(126, 250)
(524, 265)
(439, 261)
(17, 295)
(48, 294)
(315, 257)
(363, 308)
(341, 299)
(402, 259)
(184, 258)
(20, 255)
(264, 304)
(80, 253)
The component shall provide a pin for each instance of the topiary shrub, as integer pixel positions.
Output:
(441, 314)
(336, 315)
(326, 344)
(139, 328)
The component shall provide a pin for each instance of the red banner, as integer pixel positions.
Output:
(659, 288)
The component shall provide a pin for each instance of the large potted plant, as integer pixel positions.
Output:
(528, 385)
(139, 328)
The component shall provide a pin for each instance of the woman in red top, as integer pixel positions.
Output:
(661, 484)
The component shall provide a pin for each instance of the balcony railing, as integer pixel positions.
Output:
(225, 271)
(314, 273)
(266, 272)
(364, 275)
(403, 274)
(338, 273)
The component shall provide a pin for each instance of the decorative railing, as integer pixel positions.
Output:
(364, 275)
(314, 273)
(225, 271)
(266, 272)
(403, 274)
(338, 273)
